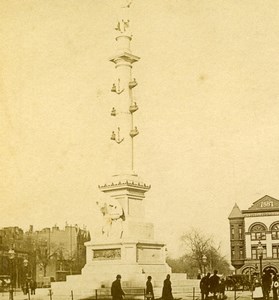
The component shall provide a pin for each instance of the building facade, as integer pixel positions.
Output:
(59, 252)
(254, 237)
(45, 255)
(13, 266)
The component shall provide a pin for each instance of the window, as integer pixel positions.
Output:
(240, 232)
(255, 254)
(275, 231)
(233, 252)
(241, 256)
(256, 236)
(258, 232)
(264, 251)
(275, 251)
(232, 232)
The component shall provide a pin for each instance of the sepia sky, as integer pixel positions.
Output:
(208, 94)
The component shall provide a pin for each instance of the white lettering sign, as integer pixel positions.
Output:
(267, 204)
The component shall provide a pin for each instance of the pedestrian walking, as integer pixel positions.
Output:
(149, 289)
(257, 291)
(266, 285)
(26, 287)
(214, 284)
(33, 286)
(275, 285)
(116, 290)
(221, 289)
(204, 286)
(167, 290)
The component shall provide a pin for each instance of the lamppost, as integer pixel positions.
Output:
(25, 265)
(11, 257)
(260, 254)
(26, 271)
(204, 260)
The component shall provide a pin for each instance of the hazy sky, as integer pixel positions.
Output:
(209, 104)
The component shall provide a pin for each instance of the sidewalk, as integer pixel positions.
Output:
(247, 295)
(43, 294)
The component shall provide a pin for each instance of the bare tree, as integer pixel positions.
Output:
(43, 256)
(197, 246)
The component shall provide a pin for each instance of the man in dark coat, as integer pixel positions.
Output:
(116, 289)
(222, 288)
(33, 286)
(266, 285)
(214, 284)
(149, 289)
(204, 286)
(167, 290)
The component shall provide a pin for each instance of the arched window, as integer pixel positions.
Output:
(258, 232)
(275, 231)
(248, 270)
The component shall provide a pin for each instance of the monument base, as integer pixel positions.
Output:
(124, 245)
(133, 260)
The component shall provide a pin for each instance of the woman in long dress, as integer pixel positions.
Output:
(257, 292)
(167, 290)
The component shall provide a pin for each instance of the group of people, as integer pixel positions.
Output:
(212, 284)
(29, 286)
(262, 290)
(117, 293)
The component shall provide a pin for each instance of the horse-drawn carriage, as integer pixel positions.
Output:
(238, 282)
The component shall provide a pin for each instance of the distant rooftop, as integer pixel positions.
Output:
(264, 204)
(235, 213)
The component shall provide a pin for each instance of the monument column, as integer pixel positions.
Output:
(124, 107)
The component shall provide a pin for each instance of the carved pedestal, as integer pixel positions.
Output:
(128, 247)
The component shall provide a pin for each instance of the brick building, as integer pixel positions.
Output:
(44, 255)
(254, 236)
(59, 252)
(13, 238)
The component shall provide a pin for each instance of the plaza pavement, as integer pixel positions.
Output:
(43, 294)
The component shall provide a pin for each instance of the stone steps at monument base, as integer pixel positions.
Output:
(139, 295)
(184, 282)
(189, 290)
(139, 280)
(88, 282)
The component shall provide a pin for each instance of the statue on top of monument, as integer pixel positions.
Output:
(113, 217)
(126, 3)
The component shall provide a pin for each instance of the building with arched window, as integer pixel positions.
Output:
(254, 235)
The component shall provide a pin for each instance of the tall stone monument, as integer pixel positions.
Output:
(125, 243)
